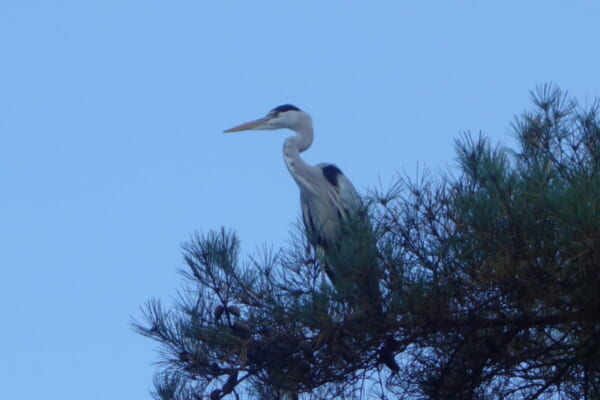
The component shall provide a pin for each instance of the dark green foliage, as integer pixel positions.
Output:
(489, 286)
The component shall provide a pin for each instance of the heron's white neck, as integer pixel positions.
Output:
(294, 145)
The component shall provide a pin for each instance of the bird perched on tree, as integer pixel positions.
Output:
(332, 211)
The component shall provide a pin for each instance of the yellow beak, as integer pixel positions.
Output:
(247, 126)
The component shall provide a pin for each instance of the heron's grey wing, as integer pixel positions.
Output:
(329, 200)
(342, 192)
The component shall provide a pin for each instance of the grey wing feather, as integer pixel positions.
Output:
(323, 210)
(343, 194)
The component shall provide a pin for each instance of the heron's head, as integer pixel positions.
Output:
(281, 117)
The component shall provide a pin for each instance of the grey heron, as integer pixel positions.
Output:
(327, 197)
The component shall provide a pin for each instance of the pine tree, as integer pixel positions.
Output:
(489, 281)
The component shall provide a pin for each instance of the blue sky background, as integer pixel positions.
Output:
(111, 151)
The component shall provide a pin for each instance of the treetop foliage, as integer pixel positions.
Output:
(489, 282)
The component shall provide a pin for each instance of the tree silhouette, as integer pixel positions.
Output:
(489, 285)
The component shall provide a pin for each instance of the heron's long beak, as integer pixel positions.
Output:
(256, 124)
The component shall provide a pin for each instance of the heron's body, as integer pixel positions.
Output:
(323, 215)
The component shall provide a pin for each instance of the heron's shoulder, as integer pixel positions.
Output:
(332, 173)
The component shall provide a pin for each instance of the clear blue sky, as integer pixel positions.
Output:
(111, 151)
